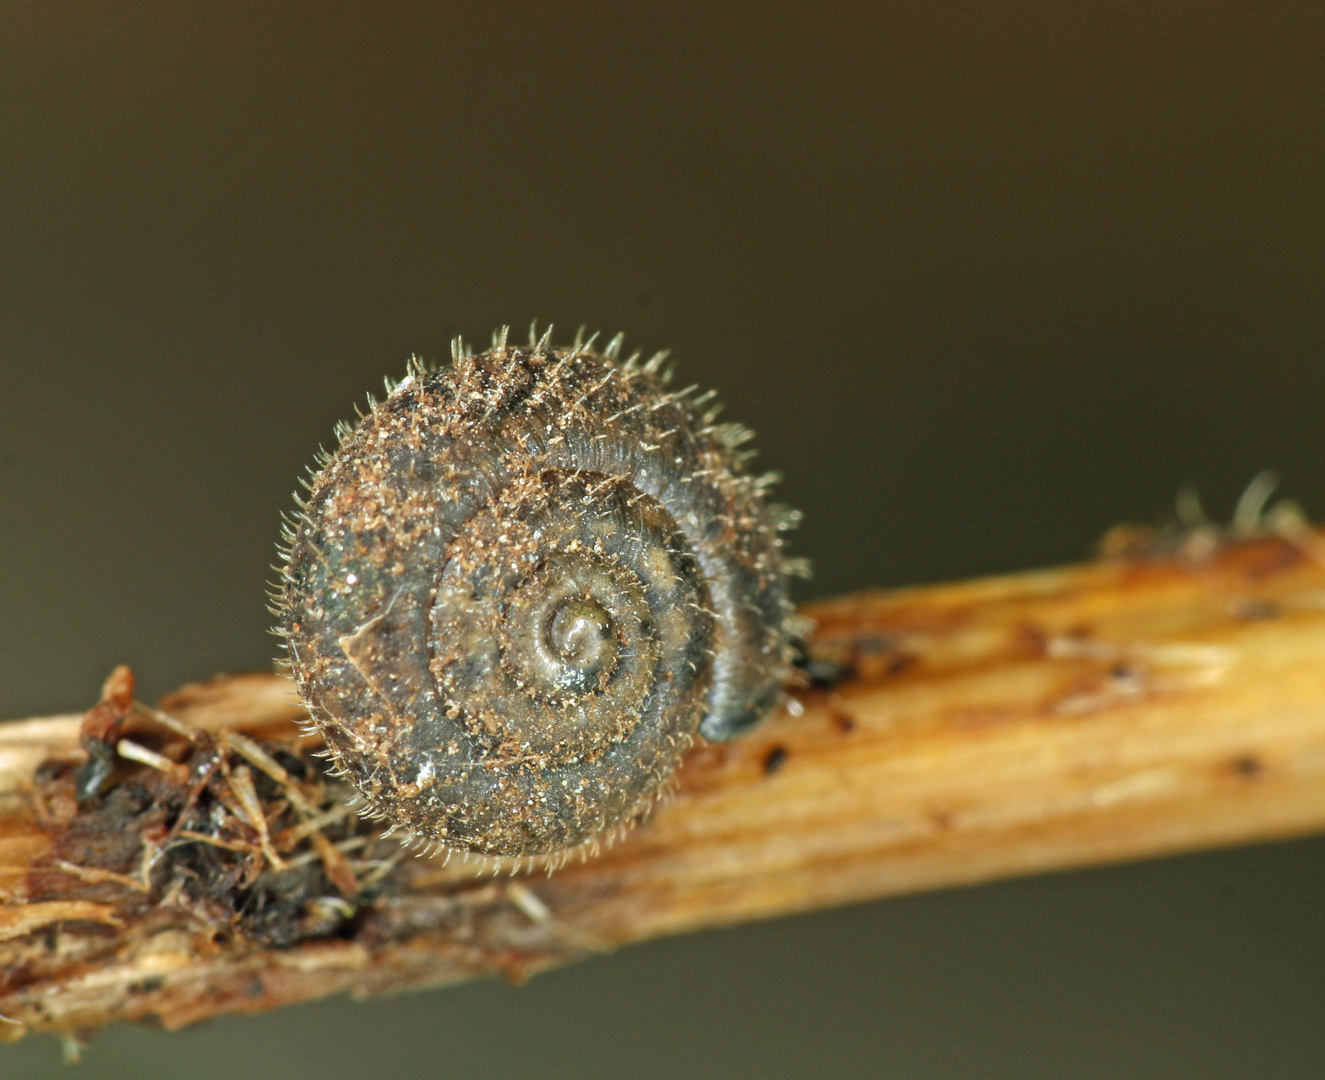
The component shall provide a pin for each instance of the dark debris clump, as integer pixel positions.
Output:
(247, 839)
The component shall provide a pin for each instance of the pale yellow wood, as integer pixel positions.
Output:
(1167, 701)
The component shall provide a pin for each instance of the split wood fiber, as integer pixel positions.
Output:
(181, 864)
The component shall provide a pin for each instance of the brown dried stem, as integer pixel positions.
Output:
(1168, 698)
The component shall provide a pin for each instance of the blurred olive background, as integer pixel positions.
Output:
(986, 278)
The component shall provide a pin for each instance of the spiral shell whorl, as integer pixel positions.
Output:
(521, 586)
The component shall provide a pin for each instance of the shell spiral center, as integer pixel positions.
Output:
(522, 586)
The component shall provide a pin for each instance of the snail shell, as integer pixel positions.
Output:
(522, 584)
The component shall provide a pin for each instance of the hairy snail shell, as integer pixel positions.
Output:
(519, 588)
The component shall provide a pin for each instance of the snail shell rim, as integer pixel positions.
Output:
(714, 718)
